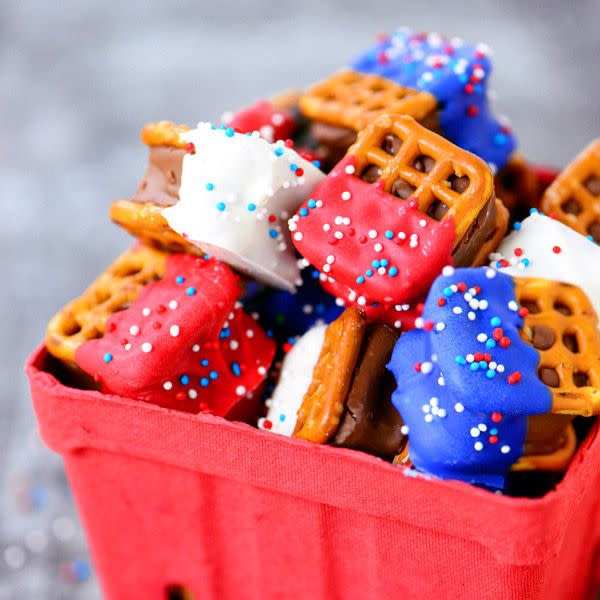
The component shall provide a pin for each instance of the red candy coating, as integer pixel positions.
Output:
(352, 225)
(201, 352)
(263, 117)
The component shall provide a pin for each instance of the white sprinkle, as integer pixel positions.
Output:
(512, 305)
(134, 330)
(330, 259)
(127, 346)
(500, 368)
(426, 367)
(457, 310)
(277, 119)
(490, 273)
(298, 236)
(434, 401)
(195, 348)
(493, 365)
(240, 390)
(475, 432)
(338, 235)
(482, 427)
(478, 446)
(470, 358)
(372, 234)
(419, 322)
(193, 394)
(423, 223)
(346, 221)
(397, 324)
(173, 304)
(338, 220)
(401, 235)
(441, 413)
(414, 241)
(458, 407)
(440, 326)
(505, 449)
(426, 408)
(404, 430)
(361, 300)
(346, 195)
(428, 418)
(262, 370)
(448, 271)
(474, 304)
(319, 203)
(467, 296)
(482, 337)
(167, 385)
(471, 315)
(326, 227)
(145, 311)
(350, 169)
(483, 304)
(250, 333)
(381, 270)
(174, 330)
(146, 347)
(326, 268)
(378, 247)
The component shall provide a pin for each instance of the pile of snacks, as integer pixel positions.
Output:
(334, 265)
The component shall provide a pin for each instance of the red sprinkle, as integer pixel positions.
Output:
(190, 148)
(514, 378)
(267, 424)
(504, 263)
(111, 327)
(504, 342)
(180, 396)
(461, 286)
(478, 356)
(487, 357)
(272, 218)
(428, 325)
(382, 58)
(472, 110)
(493, 439)
(523, 311)
(496, 417)
(441, 302)
(469, 88)
(498, 333)
(160, 309)
(156, 325)
(287, 347)
(518, 251)
(299, 172)
(556, 249)
(418, 367)
(477, 289)
(289, 143)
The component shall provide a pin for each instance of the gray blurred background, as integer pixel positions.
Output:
(77, 82)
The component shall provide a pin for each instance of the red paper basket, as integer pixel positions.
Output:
(173, 501)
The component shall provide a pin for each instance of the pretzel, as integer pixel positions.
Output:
(517, 184)
(490, 245)
(426, 168)
(323, 404)
(163, 133)
(146, 222)
(563, 327)
(352, 100)
(574, 196)
(120, 284)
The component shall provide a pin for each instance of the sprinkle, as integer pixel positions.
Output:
(184, 379)
(350, 169)
(191, 291)
(210, 187)
(134, 330)
(448, 271)
(393, 271)
(229, 132)
(251, 207)
(167, 385)
(107, 357)
(173, 304)
(298, 236)
(514, 377)
(174, 330)
(556, 249)
(505, 449)
(478, 446)
(240, 390)
(146, 312)
(146, 347)
(195, 348)
(372, 234)
(458, 407)
(346, 195)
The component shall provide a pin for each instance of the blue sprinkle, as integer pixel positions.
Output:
(525, 261)
(315, 274)
(221, 206)
(389, 234)
(495, 321)
(210, 187)
(460, 360)
(490, 343)
(393, 272)
(384, 262)
(225, 333)
(369, 273)
(204, 381)
(293, 167)
(251, 207)
(447, 292)
(179, 279)
(360, 279)
(108, 357)
(493, 431)
(278, 151)
(206, 256)
(303, 212)
(184, 379)
(500, 139)
(517, 226)
(498, 265)
(191, 291)
(223, 126)
(311, 203)
(229, 132)
(317, 163)
(474, 366)
(490, 373)
(204, 362)
(282, 417)
(213, 375)
(235, 369)
(272, 233)
(375, 264)
(483, 364)
(534, 211)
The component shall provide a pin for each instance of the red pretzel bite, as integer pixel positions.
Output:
(272, 123)
(400, 206)
(184, 343)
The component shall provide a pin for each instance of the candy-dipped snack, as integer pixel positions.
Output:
(348, 400)
(544, 248)
(467, 381)
(574, 196)
(183, 343)
(345, 103)
(457, 74)
(400, 206)
(237, 192)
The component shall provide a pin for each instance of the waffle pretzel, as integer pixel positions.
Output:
(563, 327)
(574, 196)
(412, 161)
(352, 100)
(557, 461)
(163, 133)
(323, 404)
(85, 318)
